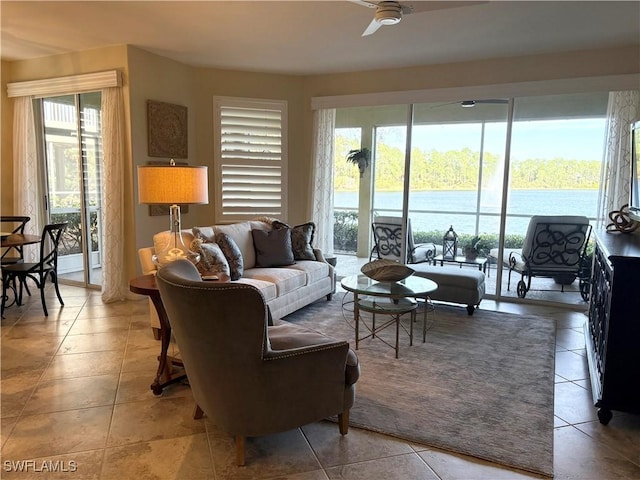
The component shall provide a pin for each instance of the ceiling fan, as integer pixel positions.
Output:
(390, 12)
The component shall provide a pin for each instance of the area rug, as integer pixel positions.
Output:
(480, 385)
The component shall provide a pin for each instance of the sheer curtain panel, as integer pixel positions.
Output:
(623, 108)
(27, 188)
(115, 284)
(323, 147)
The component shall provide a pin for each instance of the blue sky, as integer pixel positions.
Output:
(581, 139)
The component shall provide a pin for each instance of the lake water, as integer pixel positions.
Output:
(437, 210)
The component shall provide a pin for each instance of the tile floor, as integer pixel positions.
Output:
(75, 397)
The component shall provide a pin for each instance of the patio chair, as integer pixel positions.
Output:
(554, 247)
(387, 237)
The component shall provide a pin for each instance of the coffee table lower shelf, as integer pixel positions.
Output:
(395, 309)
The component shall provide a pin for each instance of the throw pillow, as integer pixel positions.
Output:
(301, 239)
(232, 253)
(206, 234)
(212, 260)
(273, 247)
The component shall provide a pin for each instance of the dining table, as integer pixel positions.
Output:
(10, 240)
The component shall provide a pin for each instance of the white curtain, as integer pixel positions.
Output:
(27, 188)
(322, 198)
(114, 284)
(623, 108)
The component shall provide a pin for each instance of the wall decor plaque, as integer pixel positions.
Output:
(167, 130)
(156, 210)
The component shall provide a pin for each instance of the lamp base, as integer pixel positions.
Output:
(176, 248)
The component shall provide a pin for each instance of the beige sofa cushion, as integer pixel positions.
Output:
(268, 289)
(286, 279)
(315, 271)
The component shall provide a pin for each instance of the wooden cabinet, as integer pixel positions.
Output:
(612, 332)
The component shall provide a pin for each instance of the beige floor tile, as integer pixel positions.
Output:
(55, 328)
(399, 467)
(72, 393)
(27, 355)
(6, 427)
(573, 404)
(621, 434)
(95, 342)
(135, 386)
(569, 338)
(100, 325)
(83, 364)
(58, 433)
(280, 455)
(449, 466)
(153, 419)
(577, 456)
(174, 459)
(66, 313)
(358, 445)
(571, 366)
(142, 359)
(16, 390)
(142, 338)
(78, 466)
(141, 322)
(100, 310)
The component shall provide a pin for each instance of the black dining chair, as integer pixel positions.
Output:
(13, 224)
(38, 271)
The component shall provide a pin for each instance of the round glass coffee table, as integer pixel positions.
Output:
(390, 298)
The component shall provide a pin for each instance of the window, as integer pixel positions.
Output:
(250, 158)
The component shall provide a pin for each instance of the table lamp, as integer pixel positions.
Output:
(172, 185)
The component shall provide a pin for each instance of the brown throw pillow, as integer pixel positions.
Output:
(273, 247)
(301, 239)
(232, 253)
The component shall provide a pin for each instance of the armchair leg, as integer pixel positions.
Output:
(343, 422)
(240, 450)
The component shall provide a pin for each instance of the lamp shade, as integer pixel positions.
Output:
(172, 184)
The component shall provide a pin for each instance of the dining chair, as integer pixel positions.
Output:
(13, 224)
(47, 266)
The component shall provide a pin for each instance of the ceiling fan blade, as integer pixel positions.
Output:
(417, 7)
(364, 3)
(372, 28)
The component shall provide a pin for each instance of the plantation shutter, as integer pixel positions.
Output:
(251, 158)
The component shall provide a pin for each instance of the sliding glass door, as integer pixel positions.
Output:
(484, 167)
(71, 130)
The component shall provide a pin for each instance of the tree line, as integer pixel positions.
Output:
(459, 170)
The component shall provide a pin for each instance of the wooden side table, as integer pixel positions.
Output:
(146, 285)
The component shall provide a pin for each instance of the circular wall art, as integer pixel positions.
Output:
(167, 130)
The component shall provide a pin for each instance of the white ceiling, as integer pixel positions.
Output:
(314, 37)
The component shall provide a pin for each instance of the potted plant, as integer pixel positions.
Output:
(359, 157)
(474, 248)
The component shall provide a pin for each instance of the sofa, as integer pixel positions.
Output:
(285, 288)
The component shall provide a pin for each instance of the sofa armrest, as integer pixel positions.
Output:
(145, 255)
(319, 256)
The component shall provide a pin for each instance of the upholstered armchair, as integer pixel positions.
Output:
(250, 378)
